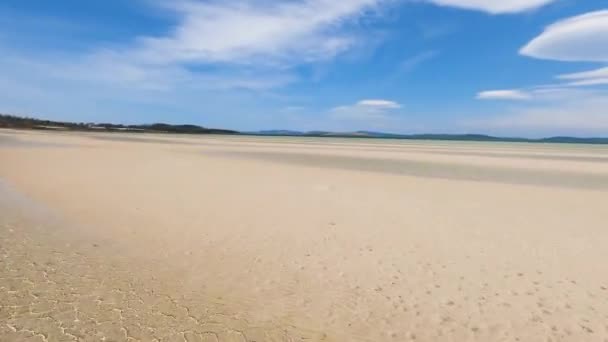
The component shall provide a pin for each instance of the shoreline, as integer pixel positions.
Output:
(69, 127)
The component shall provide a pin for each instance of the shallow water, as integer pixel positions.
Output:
(452, 171)
(57, 284)
(14, 141)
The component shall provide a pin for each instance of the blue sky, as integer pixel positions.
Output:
(510, 67)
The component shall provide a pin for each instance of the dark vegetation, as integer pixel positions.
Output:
(16, 122)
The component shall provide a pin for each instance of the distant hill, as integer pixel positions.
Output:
(573, 140)
(445, 137)
(278, 132)
(16, 122)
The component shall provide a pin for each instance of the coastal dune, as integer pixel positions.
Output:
(141, 237)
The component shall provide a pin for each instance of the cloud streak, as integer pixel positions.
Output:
(378, 104)
(495, 6)
(587, 78)
(412, 62)
(584, 114)
(506, 94)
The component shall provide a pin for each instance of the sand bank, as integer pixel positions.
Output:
(231, 238)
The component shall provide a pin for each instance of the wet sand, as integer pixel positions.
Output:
(192, 238)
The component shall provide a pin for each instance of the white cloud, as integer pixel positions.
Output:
(267, 33)
(551, 111)
(580, 38)
(378, 104)
(495, 6)
(373, 113)
(507, 94)
(246, 31)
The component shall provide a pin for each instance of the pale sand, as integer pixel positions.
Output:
(189, 238)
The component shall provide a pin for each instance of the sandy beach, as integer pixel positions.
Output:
(142, 237)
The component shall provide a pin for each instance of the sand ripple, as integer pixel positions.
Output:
(55, 287)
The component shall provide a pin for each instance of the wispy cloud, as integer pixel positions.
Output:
(260, 32)
(243, 44)
(586, 75)
(587, 78)
(414, 61)
(495, 6)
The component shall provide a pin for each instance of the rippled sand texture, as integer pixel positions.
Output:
(158, 237)
(58, 288)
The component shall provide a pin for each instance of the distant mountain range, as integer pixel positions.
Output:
(17, 122)
(446, 137)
